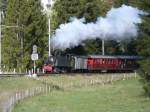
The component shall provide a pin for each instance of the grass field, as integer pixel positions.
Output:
(10, 85)
(122, 96)
(16, 83)
(65, 82)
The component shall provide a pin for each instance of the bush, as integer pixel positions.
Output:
(147, 88)
(145, 75)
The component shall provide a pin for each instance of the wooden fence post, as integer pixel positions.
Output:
(135, 73)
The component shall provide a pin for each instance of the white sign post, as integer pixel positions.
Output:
(34, 57)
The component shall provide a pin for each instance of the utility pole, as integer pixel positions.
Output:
(49, 37)
(49, 6)
(103, 47)
(0, 41)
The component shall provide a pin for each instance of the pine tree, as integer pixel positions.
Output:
(35, 32)
(118, 3)
(63, 10)
(143, 42)
(11, 40)
(31, 30)
(143, 45)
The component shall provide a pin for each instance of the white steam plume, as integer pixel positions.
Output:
(119, 24)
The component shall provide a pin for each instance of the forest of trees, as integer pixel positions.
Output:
(28, 27)
(31, 29)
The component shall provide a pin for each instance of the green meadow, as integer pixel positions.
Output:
(121, 96)
(11, 85)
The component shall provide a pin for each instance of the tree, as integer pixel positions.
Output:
(65, 9)
(118, 3)
(31, 30)
(143, 45)
(11, 40)
(3, 5)
(35, 32)
(91, 10)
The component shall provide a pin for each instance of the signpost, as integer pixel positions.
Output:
(34, 49)
(34, 57)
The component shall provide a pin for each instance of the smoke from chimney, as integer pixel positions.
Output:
(119, 24)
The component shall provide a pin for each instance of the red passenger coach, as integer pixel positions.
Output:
(103, 63)
(112, 63)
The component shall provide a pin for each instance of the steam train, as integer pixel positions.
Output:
(90, 63)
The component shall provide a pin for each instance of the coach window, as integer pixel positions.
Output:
(108, 61)
(119, 61)
(130, 62)
(105, 60)
(112, 61)
(102, 61)
(116, 61)
(97, 61)
(94, 61)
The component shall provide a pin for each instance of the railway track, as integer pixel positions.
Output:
(84, 74)
(11, 74)
(53, 74)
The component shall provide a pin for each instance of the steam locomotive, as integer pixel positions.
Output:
(90, 63)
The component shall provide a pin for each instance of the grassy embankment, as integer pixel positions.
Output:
(122, 96)
(10, 85)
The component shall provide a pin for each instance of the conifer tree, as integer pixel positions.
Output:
(10, 41)
(35, 31)
(143, 45)
(30, 30)
(143, 41)
(63, 10)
